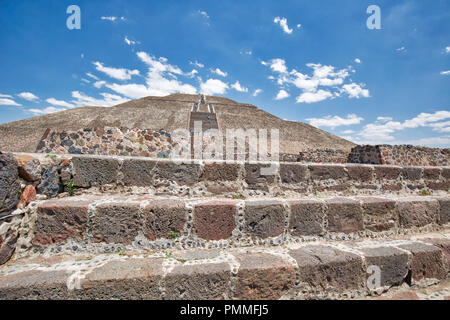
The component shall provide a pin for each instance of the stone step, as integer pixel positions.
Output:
(207, 178)
(104, 223)
(297, 271)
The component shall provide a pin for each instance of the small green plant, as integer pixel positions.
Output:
(70, 186)
(425, 192)
(238, 196)
(169, 255)
(121, 252)
(53, 157)
(174, 233)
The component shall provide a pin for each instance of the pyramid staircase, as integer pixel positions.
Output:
(156, 229)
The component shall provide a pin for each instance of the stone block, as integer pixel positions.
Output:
(163, 217)
(264, 218)
(417, 212)
(344, 215)
(95, 171)
(306, 218)
(214, 220)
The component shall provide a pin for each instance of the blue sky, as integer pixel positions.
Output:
(311, 61)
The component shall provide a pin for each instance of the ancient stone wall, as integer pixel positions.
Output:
(405, 155)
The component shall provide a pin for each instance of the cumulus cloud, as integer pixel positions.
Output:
(60, 103)
(357, 60)
(445, 73)
(256, 92)
(219, 72)
(28, 96)
(447, 49)
(81, 99)
(5, 95)
(310, 84)
(237, 86)
(282, 22)
(355, 90)
(47, 110)
(116, 73)
(213, 86)
(335, 121)
(9, 102)
(282, 94)
(383, 129)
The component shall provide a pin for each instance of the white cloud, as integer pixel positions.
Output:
(60, 103)
(335, 121)
(310, 97)
(237, 86)
(157, 82)
(447, 49)
(28, 96)
(256, 92)
(134, 91)
(357, 60)
(99, 84)
(445, 73)
(247, 52)
(197, 64)
(9, 102)
(355, 90)
(282, 94)
(401, 49)
(130, 42)
(382, 131)
(203, 14)
(116, 73)
(213, 86)
(92, 76)
(219, 72)
(5, 96)
(283, 24)
(85, 80)
(108, 99)
(45, 111)
(348, 131)
(384, 119)
(309, 84)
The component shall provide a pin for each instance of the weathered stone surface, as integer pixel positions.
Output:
(378, 213)
(29, 168)
(134, 278)
(88, 172)
(412, 173)
(215, 171)
(116, 222)
(417, 212)
(161, 217)
(293, 172)
(441, 185)
(444, 210)
(137, 172)
(392, 187)
(8, 246)
(360, 173)
(427, 261)
(182, 173)
(198, 282)
(306, 218)
(58, 220)
(34, 285)
(263, 276)
(393, 264)
(328, 269)
(430, 173)
(446, 173)
(443, 244)
(264, 218)
(255, 178)
(323, 171)
(215, 220)
(9, 184)
(344, 215)
(28, 195)
(387, 172)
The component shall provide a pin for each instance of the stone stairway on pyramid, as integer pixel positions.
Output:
(111, 227)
